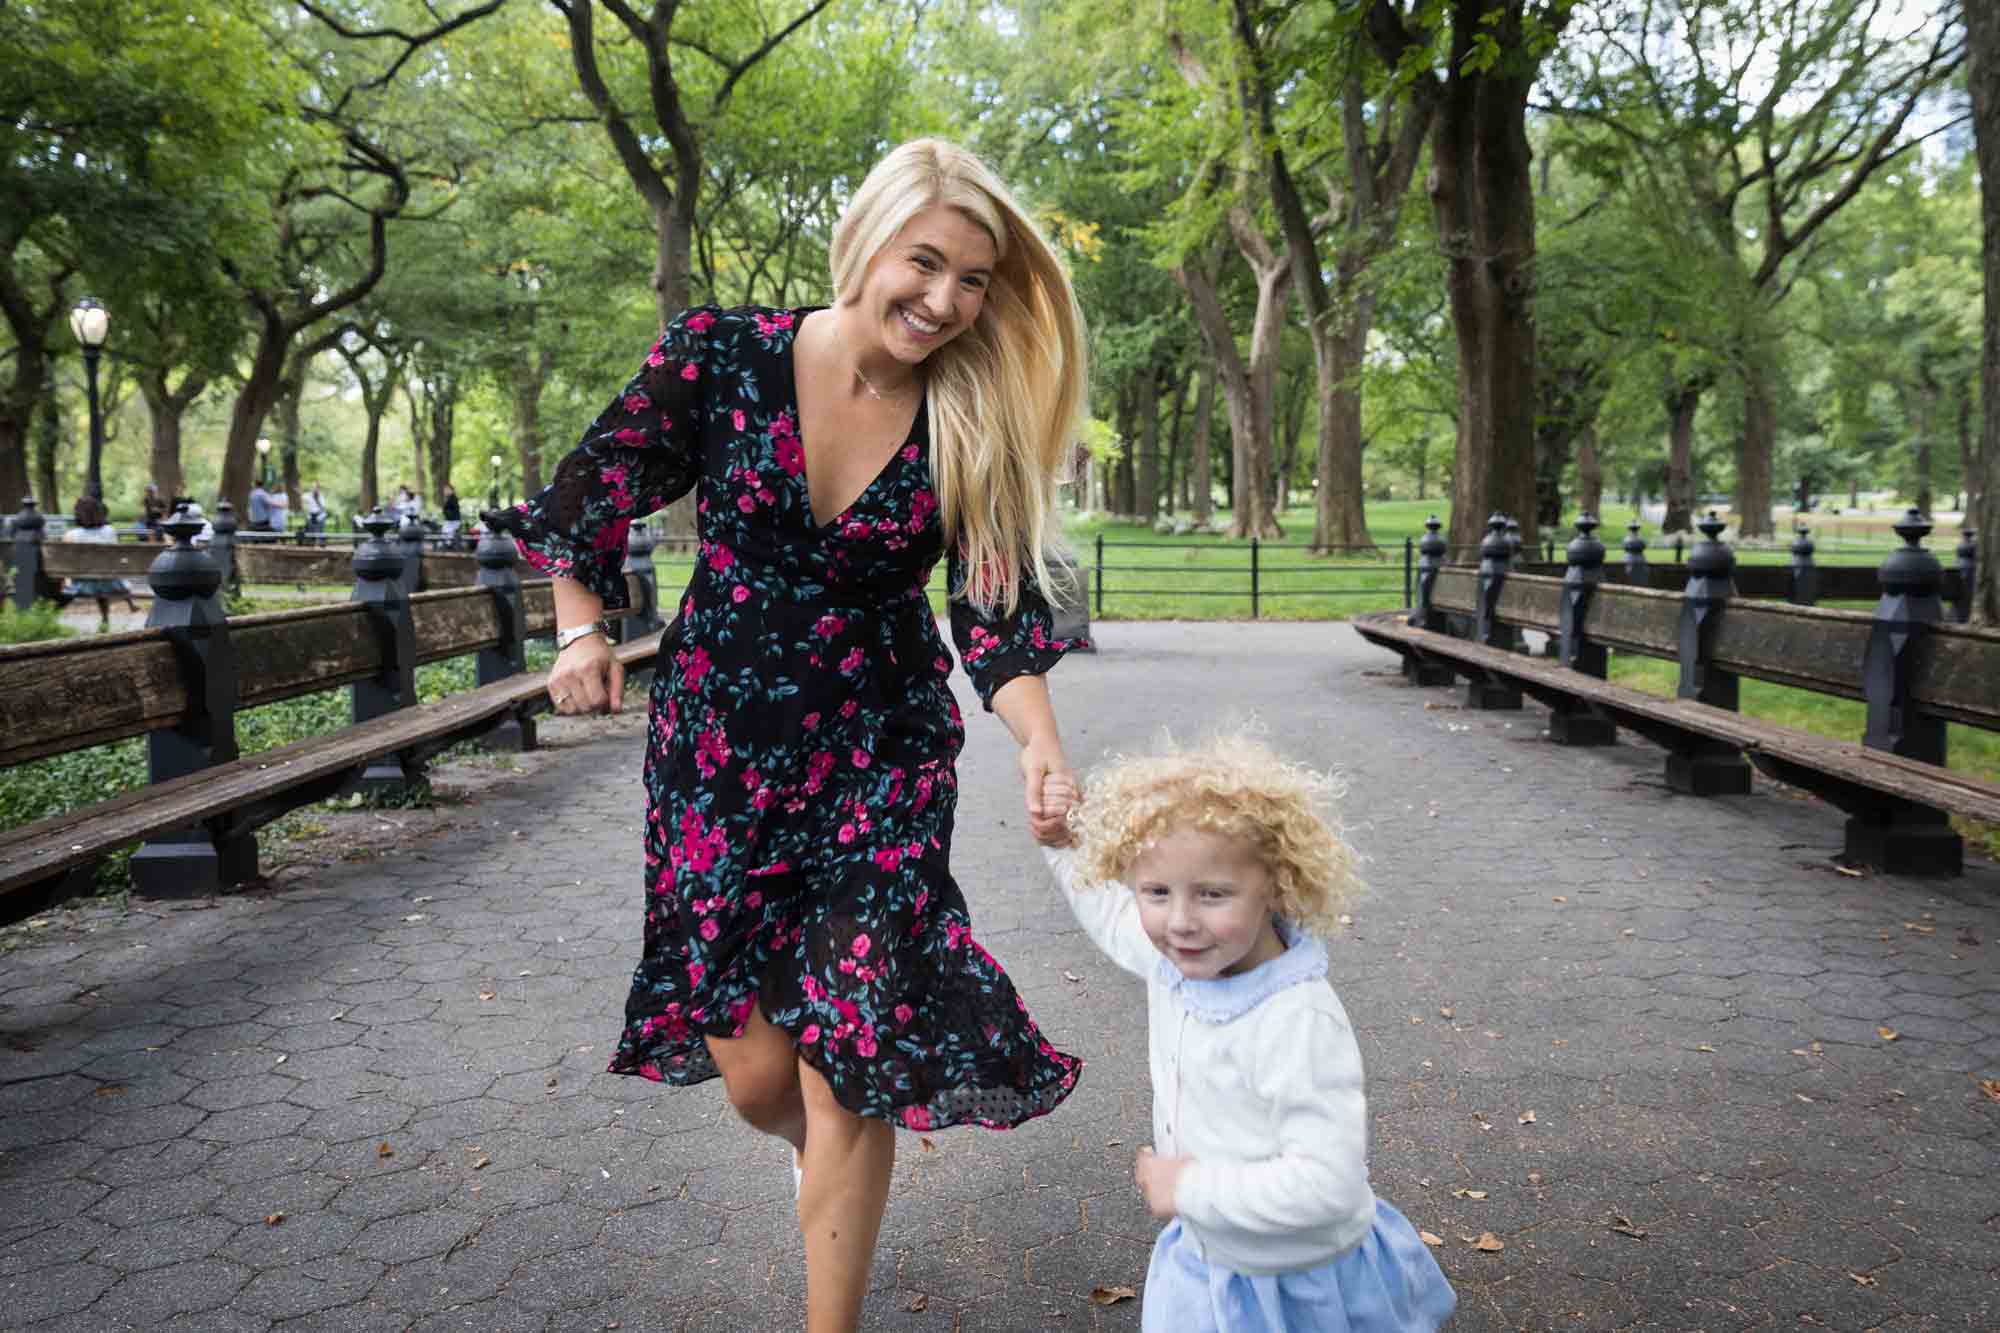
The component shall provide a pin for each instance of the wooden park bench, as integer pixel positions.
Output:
(1914, 671)
(181, 681)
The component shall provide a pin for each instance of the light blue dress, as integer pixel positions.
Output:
(1386, 1283)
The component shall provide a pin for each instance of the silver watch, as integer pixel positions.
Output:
(566, 637)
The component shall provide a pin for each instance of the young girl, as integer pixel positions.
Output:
(92, 524)
(1211, 874)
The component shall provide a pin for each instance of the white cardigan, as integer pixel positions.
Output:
(1258, 1079)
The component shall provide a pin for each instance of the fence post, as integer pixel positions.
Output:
(1099, 572)
(1409, 570)
(1253, 578)
(1513, 541)
(1483, 691)
(1635, 557)
(1574, 721)
(1805, 574)
(1069, 603)
(1900, 837)
(1968, 569)
(222, 545)
(497, 555)
(379, 586)
(185, 581)
(410, 542)
(1705, 767)
(1419, 669)
(27, 553)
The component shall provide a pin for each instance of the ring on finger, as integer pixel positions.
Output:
(558, 699)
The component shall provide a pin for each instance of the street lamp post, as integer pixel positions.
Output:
(264, 463)
(90, 321)
(493, 475)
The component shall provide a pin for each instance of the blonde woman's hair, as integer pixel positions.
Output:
(1007, 393)
(1236, 787)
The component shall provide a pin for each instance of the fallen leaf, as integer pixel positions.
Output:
(1800, 1050)
(1862, 1279)
(112, 1090)
(549, 1082)
(1444, 1013)
(1559, 899)
(1706, 1047)
(273, 1219)
(1429, 1239)
(917, 1302)
(1416, 1020)
(1851, 872)
(1424, 1181)
(1468, 1194)
(1534, 1177)
(1114, 1143)
(416, 916)
(1112, 1295)
(1071, 976)
(1887, 1034)
(1802, 1097)
(1346, 920)
(1991, 1087)
(482, 1163)
(1489, 1242)
(1628, 931)
(488, 995)
(1527, 1117)
(281, 1059)
(1919, 928)
(384, 1150)
(927, 1144)
(1623, 1226)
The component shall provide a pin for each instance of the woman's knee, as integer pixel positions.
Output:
(765, 1093)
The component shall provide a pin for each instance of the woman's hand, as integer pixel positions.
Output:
(1158, 1178)
(586, 678)
(1050, 790)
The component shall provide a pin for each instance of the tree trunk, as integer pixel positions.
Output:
(1589, 473)
(1340, 515)
(1968, 461)
(440, 438)
(17, 414)
(1682, 401)
(1201, 493)
(1174, 466)
(1227, 367)
(46, 448)
(530, 374)
(253, 404)
(165, 413)
(1753, 453)
(1927, 420)
(1146, 497)
(288, 440)
(371, 451)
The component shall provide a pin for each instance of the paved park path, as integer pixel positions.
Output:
(1634, 1041)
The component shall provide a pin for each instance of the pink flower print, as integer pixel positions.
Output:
(791, 455)
(864, 1045)
(611, 537)
(846, 833)
(888, 858)
(690, 372)
(922, 505)
(736, 418)
(629, 435)
(904, 1014)
(753, 901)
(854, 529)
(739, 594)
(851, 663)
(709, 930)
(812, 989)
(849, 708)
(828, 625)
(613, 475)
(720, 557)
(747, 503)
(860, 758)
(955, 934)
(762, 800)
(810, 721)
(782, 320)
(711, 751)
(862, 944)
(694, 665)
(846, 1010)
(700, 322)
(847, 966)
(810, 1035)
(1038, 638)
(657, 356)
(916, 1117)
(818, 767)
(696, 971)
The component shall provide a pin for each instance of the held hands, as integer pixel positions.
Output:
(1158, 1178)
(586, 678)
(1051, 791)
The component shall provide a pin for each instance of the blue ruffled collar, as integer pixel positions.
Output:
(1227, 998)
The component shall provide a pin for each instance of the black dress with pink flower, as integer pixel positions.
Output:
(800, 756)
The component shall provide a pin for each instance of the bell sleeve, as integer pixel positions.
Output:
(641, 453)
(996, 645)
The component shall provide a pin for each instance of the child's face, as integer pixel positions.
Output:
(1206, 903)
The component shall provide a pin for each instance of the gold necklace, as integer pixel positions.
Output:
(874, 392)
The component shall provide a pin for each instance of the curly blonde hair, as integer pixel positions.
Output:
(1237, 787)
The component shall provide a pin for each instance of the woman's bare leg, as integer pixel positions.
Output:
(761, 1071)
(848, 1161)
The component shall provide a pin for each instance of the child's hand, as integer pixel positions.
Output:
(1158, 1178)
(1049, 823)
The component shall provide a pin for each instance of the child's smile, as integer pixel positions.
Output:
(1205, 901)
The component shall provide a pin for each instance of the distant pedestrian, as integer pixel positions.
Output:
(153, 512)
(407, 504)
(259, 516)
(91, 525)
(1260, 1130)
(278, 518)
(454, 518)
(315, 507)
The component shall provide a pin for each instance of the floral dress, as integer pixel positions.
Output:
(800, 753)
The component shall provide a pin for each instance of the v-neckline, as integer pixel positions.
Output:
(916, 432)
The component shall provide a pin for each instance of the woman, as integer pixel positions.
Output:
(91, 523)
(804, 939)
(454, 518)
